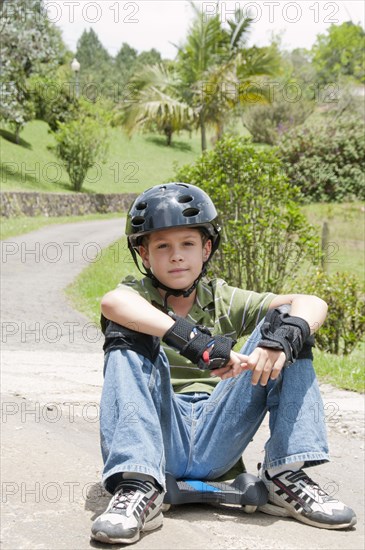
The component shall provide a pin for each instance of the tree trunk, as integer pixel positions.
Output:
(18, 127)
(220, 130)
(168, 134)
(203, 130)
(203, 133)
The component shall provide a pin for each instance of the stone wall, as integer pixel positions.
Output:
(14, 204)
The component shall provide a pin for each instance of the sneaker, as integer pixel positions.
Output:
(134, 508)
(294, 494)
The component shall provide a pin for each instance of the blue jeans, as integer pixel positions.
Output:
(147, 428)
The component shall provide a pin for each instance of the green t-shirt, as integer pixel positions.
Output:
(224, 309)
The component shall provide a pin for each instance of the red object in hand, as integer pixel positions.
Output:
(205, 357)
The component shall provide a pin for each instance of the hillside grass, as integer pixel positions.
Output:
(346, 224)
(132, 165)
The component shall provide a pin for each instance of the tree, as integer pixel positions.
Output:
(265, 235)
(218, 72)
(125, 62)
(212, 76)
(97, 74)
(340, 52)
(128, 63)
(126, 57)
(156, 102)
(53, 100)
(90, 51)
(149, 57)
(30, 44)
(81, 143)
(205, 46)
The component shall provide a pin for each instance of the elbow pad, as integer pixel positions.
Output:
(120, 337)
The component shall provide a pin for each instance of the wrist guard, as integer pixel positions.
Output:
(289, 334)
(196, 343)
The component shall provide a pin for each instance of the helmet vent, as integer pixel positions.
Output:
(184, 198)
(190, 212)
(138, 220)
(141, 206)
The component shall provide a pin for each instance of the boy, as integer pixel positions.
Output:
(188, 404)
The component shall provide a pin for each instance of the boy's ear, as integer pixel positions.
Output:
(207, 249)
(143, 252)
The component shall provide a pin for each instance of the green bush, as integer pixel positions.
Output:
(267, 123)
(53, 100)
(80, 143)
(265, 237)
(345, 323)
(326, 160)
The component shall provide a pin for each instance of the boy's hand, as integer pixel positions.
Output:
(264, 363)
(234, 367)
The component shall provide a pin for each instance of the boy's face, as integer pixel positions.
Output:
(176, 256)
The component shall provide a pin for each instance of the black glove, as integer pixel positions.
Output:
(196, 343)
(289, 334)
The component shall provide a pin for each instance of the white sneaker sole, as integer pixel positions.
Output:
(277, 510)
(154, 523)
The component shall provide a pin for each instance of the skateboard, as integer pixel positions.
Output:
(245, 490)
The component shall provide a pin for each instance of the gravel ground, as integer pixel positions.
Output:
(51, 383)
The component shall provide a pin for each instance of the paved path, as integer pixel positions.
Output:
(35, 270)
(51, 385)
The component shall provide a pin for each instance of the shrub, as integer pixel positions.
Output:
(345, 323)
(53, 100)
(326, 160)
(267, 123)
(80, 144)
(265, 235)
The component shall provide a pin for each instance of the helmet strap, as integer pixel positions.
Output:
(176, 292)
(157, 284)
(135, 259)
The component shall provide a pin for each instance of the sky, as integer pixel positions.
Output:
(159, 24)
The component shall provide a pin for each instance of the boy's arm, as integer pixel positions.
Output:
(310, 308)
(267, 363)
(129, 309)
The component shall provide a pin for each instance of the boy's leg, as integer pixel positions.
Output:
(232, 415)
(137, 410)
(298, 439)
(236, 409)
(141, 420)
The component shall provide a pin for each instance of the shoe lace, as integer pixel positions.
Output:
(315, 487)
(123, 498)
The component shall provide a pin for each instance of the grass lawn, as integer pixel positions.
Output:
(346, 224)
(132, 165)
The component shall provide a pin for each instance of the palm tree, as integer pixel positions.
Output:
(219, 73)
(213, 75)
(157, 103)
(205, 47)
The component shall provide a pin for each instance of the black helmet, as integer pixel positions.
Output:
(167, 206)
(172, 205)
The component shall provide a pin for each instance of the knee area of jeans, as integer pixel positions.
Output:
(301, 371)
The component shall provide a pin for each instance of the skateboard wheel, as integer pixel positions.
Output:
(249, 509)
